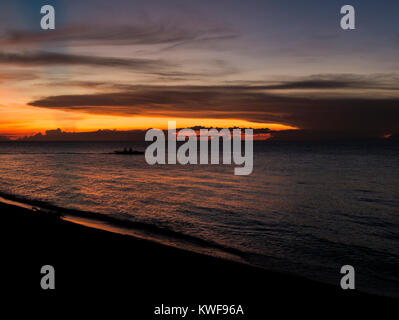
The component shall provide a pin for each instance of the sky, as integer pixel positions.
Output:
(126, 64)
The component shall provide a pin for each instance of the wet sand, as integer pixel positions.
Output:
(123, 273)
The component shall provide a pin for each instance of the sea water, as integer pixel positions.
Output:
(307, 208)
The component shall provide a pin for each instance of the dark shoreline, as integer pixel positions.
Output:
(115, 267)
(127, 227)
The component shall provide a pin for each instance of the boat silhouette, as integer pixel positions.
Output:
(128, 152)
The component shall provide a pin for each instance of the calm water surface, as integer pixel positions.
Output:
(307, 209)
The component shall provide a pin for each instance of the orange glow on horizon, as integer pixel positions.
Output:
(31, 121)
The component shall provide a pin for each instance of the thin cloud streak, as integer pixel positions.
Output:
(140, 34)
(51, 59)
(17, 76)
(157, 67)
(319, 83)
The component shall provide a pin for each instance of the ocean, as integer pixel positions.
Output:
(307, 209)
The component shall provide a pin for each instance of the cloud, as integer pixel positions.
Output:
(321, 83)
(252, 103)
(154, 33)
(17, 76)
(163, 69)
(379, 81)
(51, 59)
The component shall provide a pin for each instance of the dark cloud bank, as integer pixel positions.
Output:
(352, 116)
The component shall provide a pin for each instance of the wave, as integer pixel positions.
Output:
(139, 229)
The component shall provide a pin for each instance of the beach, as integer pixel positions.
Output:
(138, 275)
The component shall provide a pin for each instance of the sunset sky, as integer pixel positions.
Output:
(136, 64)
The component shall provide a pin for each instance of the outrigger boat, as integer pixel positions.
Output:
(128, 152)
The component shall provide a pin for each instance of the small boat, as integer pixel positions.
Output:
(128, 152)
